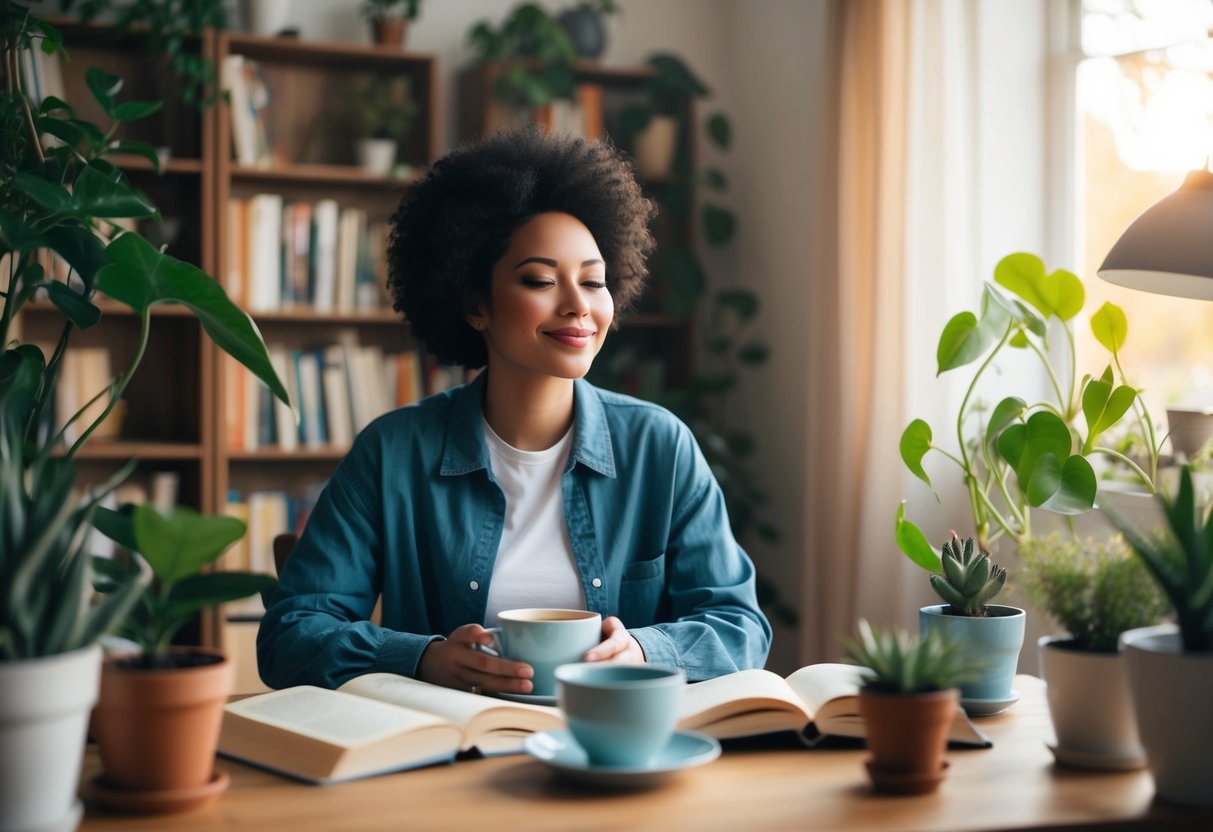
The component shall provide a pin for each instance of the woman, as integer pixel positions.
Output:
(527, 487)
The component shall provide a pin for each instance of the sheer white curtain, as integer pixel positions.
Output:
(899, 259)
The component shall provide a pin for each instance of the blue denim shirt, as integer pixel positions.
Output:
(413, 512)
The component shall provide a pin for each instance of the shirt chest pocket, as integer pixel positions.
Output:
(641, 592)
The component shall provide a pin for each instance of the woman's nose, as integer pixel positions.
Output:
(574, 302)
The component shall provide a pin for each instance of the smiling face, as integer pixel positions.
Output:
(548, 309)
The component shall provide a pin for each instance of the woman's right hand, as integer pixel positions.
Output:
(455, 663)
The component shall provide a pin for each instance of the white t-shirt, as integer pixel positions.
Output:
(535, 565)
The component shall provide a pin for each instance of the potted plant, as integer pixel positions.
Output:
(652, 127)
(1171, 665)
(65, 199)
(907, 702)
(389, 20)
(966, 581)
(382, 111)
(532, 54)
(1095, 590)
(1027, 453)
(159, 711)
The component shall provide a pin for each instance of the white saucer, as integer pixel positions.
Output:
(988, 707)
(1094, 760)
(558, 749)
(528, 698)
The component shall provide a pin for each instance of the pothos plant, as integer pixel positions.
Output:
(1027, 453)
(536, 52)
(66, 197)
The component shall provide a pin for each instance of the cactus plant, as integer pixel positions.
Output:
(901, 663)
(969, 578)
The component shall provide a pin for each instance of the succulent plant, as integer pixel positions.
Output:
(1181, 562)
(902, 663)
(969, 578)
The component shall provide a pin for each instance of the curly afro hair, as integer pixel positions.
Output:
(456, 222)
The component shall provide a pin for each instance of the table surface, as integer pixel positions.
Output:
(1014, 785)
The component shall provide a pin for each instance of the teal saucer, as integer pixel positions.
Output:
(558, 750)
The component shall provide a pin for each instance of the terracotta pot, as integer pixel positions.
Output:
(390, 31)
(907, 735)
(157, 730)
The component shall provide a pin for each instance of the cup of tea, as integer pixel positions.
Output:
(623, 715)
(545, 639)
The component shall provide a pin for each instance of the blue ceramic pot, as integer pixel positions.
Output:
(995, 639)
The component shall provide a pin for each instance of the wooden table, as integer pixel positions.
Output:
(1013, 785)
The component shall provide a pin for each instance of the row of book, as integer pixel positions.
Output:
(267, 514)
(337, 389)
(284, 252)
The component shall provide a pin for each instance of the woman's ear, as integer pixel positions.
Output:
(475, 315)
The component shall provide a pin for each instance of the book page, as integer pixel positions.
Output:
(766, 700)
(476, 714)
(818, 684)
(333, 717)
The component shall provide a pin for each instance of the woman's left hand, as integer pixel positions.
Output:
(617, 645)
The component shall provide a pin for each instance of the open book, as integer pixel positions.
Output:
(382, 722)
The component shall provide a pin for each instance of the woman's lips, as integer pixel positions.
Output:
(572, 336)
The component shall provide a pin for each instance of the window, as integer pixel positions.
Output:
(1145, 106)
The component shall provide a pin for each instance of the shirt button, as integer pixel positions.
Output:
(597, 582)
(475, 585)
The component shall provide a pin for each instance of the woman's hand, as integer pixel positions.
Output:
(617, 645)
(455, 663)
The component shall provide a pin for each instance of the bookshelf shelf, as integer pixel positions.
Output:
(109, 308)
(175, 165)
(317, 174)
(146, 451)
(308, 315)
(300, 455)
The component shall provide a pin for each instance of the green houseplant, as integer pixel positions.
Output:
(382, 110)
(1170, 666)
(1095, 589)
(993, 632)
(535, 55)
(68, 199)
(908, 702)
(1027, 453)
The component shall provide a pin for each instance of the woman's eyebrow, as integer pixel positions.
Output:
(547, 261)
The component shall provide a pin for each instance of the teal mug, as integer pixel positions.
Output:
(545, 639)
(622, 715)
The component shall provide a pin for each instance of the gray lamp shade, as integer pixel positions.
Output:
(1168, 250)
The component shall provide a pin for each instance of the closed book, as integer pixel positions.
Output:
(286, 422)
(311, 399)
(325, 217)
(337, 408)
(265, 252)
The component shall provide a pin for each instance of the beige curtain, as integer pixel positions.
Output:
(901, 102)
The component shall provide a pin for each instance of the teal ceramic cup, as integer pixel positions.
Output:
(545, 639)
(623, 715)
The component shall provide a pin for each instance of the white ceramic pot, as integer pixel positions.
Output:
(267, 17)
(44, 709)
(376, 156)
(654, 147)
(1173, 699)
(1089, 703)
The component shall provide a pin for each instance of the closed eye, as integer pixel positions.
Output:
(593, 284)
(537, 282)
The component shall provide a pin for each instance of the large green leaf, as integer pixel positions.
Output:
(966, 338)
(1064, 293)
(719, 224)
(136, 110)
(915, 442)
(140, 276)
(98, 195)
(913, 542)
(1021, 273)
(1005, 413)
(201, 591)
(743, 302)
(18, 235)
(1067, 488)
(50, 195)
(104, 86)
(81, 248)
(1110, 327)
(178, 544)
(78, 309)
(1023, 445)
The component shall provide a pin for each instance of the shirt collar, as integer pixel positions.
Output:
(465, 449)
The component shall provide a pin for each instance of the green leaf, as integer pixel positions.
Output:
(634, 119)
(1103, 405)
(52, 104)
(18, 235)
(178, 544)
(118, 526)
(1064, 489)
(719, 224)
(98, 195)
(1064, 293)
(104, 86)
(720, 130)
(61, 129)
(201, 591)
(52, 38)
(1005, 413)
(1022, 274)
(1023, 445)
(140, 276)
(81, 248)
(913, 542)
(915, 442)
(1110, 327)
(743, 302)
(50, 195)
(966, 339)
(79, 309)
(753, 353)
(136, 110)
(137, 148)
(714, 178)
